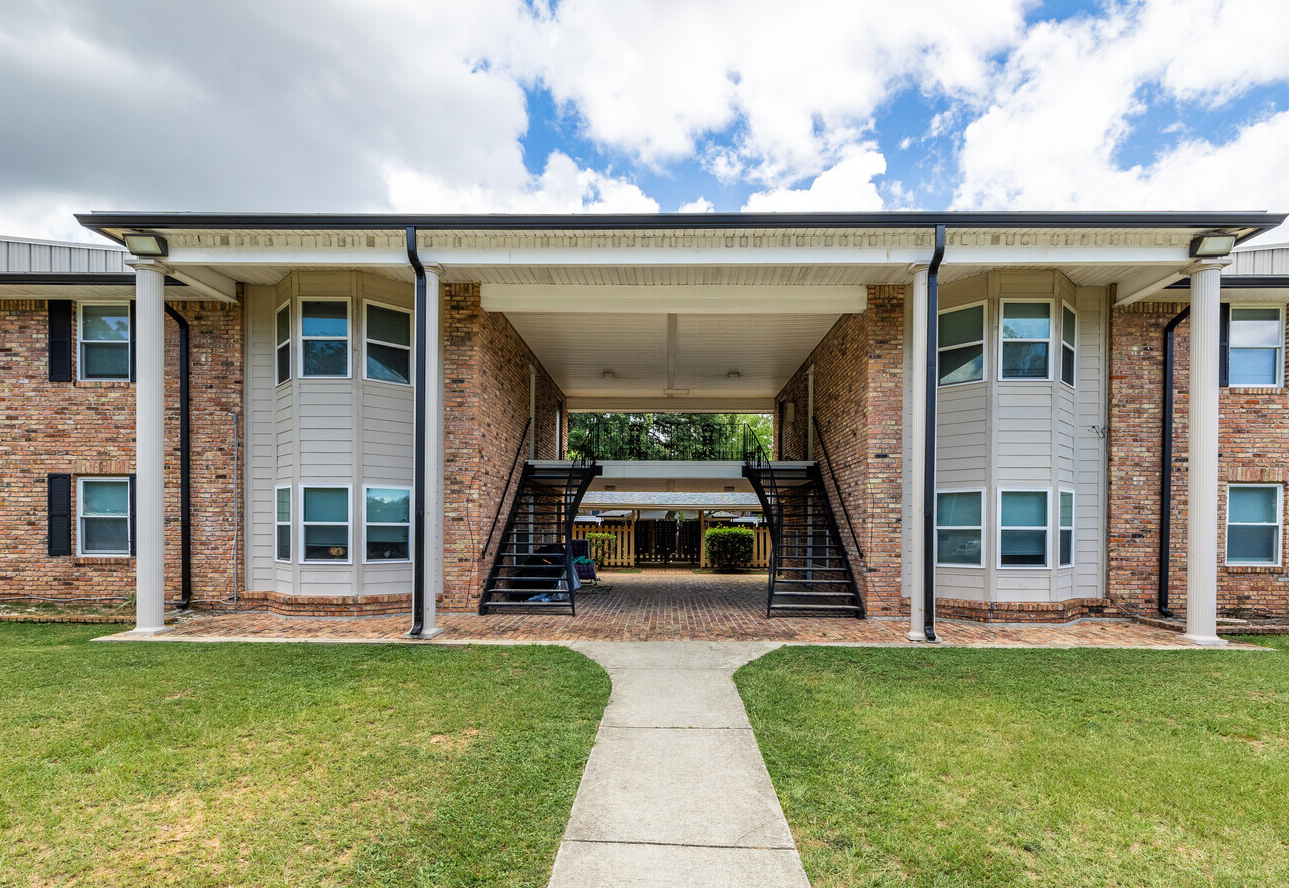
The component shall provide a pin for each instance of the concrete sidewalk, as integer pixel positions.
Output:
(675, 791)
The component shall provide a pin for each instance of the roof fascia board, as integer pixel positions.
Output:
(679, 299)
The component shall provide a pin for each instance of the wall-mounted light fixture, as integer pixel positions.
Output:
(1212, 244)
(146, 243)
(608, 374)
(733, 374)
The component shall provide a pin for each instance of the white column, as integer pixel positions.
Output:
(915, 393)
(434, 523)
(150, 445)
(1201, 521)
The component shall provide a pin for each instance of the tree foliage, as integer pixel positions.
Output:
(666, 436)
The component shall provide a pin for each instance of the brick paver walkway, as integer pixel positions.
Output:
(671, 605)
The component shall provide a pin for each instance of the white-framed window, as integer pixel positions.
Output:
(387, 524)
(282, 338)
(103, 516)
(959, 528)
(1025, 352)
(387, 344)
(1257, 340)
(1253, 523)
(324, 513)
(1065, 529)
(282, 505)
(1069, 342)
(1023, 521)
(324, 338)
(104, 340)
(961, 351)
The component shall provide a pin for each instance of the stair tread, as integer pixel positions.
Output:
(852, 608)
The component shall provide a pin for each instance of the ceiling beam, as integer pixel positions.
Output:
(208, 282)
(696, 404)
(673, 299)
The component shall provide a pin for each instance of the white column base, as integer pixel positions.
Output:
(426, 634)
(915, 636)
(1208, 640)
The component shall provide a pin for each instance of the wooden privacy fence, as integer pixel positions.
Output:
(622, 553)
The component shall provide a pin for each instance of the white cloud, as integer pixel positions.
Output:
(702, 205)
(848, 186)
(562, 187)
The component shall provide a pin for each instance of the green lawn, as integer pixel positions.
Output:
(1012, 767)
(243, 764)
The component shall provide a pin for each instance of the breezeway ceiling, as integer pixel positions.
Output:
(764, 350)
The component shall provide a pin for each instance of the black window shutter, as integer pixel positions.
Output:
(133, 550)
(131, 346)
(1224, 346)
(60, 514)
(60, 340)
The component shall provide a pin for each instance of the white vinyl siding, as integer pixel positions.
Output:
(1253, 524)
(961, 345)
(104, 336)
(1257, 346)
(103, 516)
(324, 338)
(1025, 348)
(387, 524)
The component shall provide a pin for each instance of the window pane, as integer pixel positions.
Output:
(1067, 547)
(966, 325)
(1254, 366)
(388, 364)
(284, 362)
(957, 510)
(284, 324)
(1256, 327)
(324, 319)
(105, 360)
(284, 542)
(389, 326)
(966, 364)
(105, 498)
(387, 542)
(1024, 508)
(326, 504)
(1252, 505)
(1027, 320)
(388, 506)
(325, 357)
(284, 504)
(1251, 543)
(326, 543)
(1024, 547)
(957, 546)
(105, 323)
(1067, 365)
(1067, 509)
(105, 535)
(1024, 360)
(1067, 326)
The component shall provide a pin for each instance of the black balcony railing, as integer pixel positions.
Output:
(639, 441)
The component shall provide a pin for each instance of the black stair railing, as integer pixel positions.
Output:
(510, 476)
(845, 510)
(760, 471)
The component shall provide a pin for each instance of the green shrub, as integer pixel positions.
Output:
(602, 545)
(729, 548)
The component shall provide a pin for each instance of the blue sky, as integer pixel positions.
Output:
(597, 106)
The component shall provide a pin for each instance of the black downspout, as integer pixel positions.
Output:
(928, 453)
(1166, 466)
(185, 468)
(418, 460)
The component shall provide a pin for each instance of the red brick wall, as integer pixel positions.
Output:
(487, 406)
(1254, 447)
(87, 428)
(858, 402)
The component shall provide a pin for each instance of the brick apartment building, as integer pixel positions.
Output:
(988, 392)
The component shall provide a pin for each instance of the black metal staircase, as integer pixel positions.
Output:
(809, 571)
(533, 568)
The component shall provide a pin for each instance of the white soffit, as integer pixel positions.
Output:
(763, 349)
(675, 299)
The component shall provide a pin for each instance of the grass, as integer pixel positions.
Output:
(236, 764)
(1024, 767)
(28, 608)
